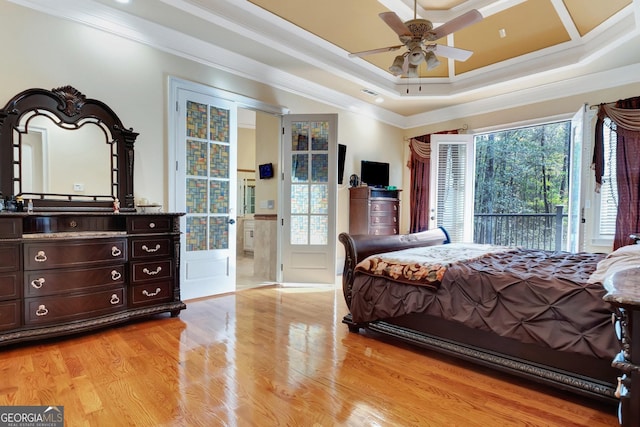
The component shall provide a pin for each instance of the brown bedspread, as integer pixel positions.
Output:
(533, 296)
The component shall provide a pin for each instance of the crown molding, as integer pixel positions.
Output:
(529, 78)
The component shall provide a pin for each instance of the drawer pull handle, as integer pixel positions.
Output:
(42, 310)
(152, 273)
(37, 283)
(150, 294)
(40, 257)
(151, 250)
(395, 208)
(115, 275)
(152, 225)
(114, 299)
(115, 251)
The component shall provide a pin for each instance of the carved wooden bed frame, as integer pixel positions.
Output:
(580, 374)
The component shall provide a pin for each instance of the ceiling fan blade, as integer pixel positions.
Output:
(396, 24)
(457, 23)
(372, 51)
(452, 52)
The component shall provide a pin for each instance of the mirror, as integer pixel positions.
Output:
(62, 161)
(65, 152)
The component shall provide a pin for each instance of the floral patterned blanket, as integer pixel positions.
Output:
(424, 266)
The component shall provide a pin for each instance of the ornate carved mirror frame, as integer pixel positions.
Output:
(70, 109)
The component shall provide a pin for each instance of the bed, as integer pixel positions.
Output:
(535, 314)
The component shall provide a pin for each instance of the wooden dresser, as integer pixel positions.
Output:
(374, 211)
(62, 273)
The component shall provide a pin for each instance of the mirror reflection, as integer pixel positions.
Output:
(64, 161)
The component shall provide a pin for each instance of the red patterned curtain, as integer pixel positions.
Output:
(626, 116)
(419, 163)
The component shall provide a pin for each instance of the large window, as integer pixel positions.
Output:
(522, 186)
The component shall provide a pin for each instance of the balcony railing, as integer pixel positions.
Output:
(532, 231)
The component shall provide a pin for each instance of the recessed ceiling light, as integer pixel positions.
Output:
(379, 100)
(123, 1)
(369, 92)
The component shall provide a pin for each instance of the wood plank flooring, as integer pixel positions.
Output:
(271, 357)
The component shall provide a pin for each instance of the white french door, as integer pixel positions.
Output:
(578, 155)
(451, 185)
(310, 175)
(205, 188)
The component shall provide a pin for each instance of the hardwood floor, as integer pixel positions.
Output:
(271, 357)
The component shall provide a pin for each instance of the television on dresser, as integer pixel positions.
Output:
(374, 174)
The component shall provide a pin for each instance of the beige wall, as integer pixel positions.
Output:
(246, 149)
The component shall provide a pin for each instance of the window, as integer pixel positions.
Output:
(522, 186)
(608, 203)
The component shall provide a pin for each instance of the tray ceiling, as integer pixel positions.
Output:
(303, 45)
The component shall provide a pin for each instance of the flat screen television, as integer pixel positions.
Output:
(342, 152)
(266, 171)
(374, 174)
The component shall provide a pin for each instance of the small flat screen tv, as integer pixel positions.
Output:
(266, 171)
(374, 174)
(342, 152)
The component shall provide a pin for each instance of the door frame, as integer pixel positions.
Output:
(175, 85)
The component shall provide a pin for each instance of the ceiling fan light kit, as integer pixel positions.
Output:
(397, 67)
(417, 36)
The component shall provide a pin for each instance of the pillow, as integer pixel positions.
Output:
(620, 259)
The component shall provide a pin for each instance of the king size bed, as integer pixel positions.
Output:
(532, 313)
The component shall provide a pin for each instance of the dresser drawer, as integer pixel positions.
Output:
(146, 271)
(386, 207)
(48, 282)
(150, 247)
(70, 253)
(9, 315)
(149, 224)
(151, 293)
(10, 285)
(383, 230)
(10, 228)
(54, 309)
(381, 219)
(9, 257)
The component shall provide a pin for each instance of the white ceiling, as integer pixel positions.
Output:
(240, 37)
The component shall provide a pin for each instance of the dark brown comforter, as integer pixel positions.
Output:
(533, 296)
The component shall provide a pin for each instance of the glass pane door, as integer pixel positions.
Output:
(207, 158)
(310, 181)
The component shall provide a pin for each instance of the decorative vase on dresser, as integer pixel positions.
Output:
(75, 261)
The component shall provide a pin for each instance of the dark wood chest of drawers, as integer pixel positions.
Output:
(374, 211)
(66, 273)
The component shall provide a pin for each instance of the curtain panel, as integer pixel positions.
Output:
(626, 116)
(420, 166)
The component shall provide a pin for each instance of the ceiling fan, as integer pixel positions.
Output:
(418, 36)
